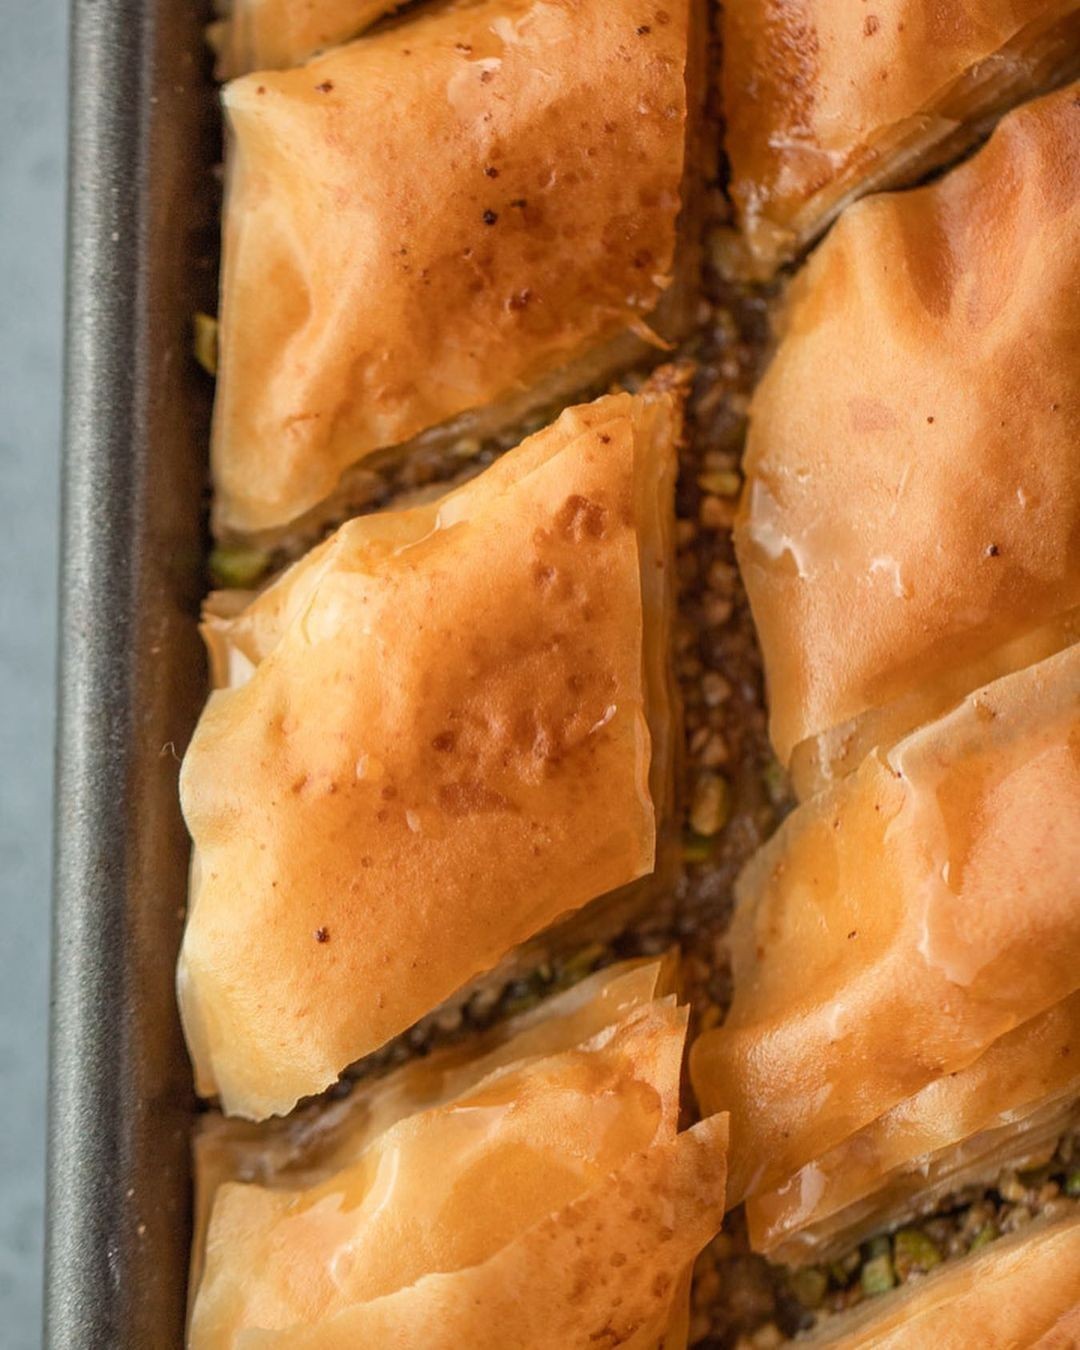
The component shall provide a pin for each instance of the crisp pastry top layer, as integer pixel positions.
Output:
(1007, 1109)
(825, 101)
(422, 1198)
(1018, 1291)
(460, 213)
(900, 922)
(444, 729)
(911, 522)
(276, 34)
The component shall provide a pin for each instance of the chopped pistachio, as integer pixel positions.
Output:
(238, 567)
(914, 1253)
(711, 805)
(696, 848)
(523, 995)
(776, 782)
(1016, 1218)
(1072, 1182)
(205, 343)
(716, 513)
(727, 252)
(721, 482)
(843, 1270)
(580, 964)
(715, 689)
(715, 752)
(1011, 1188)
(468, 447)
(449, 1020)
(877, 1274)
(809, 1285)
(986, 1234)
(482, 1004)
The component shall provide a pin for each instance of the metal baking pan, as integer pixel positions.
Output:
(141, 259)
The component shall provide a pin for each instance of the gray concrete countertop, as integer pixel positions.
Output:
(33, 110)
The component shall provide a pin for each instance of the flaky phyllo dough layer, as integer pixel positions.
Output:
(528, 1190)
(911, 523)
(906, 956)
(826, 101)
(435, 735)
(505, 179)
(1018, 1292)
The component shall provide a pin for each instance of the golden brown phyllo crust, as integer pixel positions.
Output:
(436, 734)
(276, 34)
(505, 180)
(528, 1189)
(893, 931)
(826, 101)
(1020, 1291)
(911, 523)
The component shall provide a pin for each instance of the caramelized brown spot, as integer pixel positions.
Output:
(871, 24)
(322, 934)
(579, 519)
(325, 87)
(444, 741)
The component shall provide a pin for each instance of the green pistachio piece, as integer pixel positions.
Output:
(696, 848)
(843, 1271)
(238, 567)
(914, 1253)
(877, 1275)
(809, 1285)
(205, 344)
(580, 964)
(721, 482)
(776, 782)
(986, 1234)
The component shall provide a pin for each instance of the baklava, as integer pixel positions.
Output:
(439, 229)
(439, 732)
(1017, 1294)
(529, 1190)
(910, 526)
(826, 101)
(896, 928)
